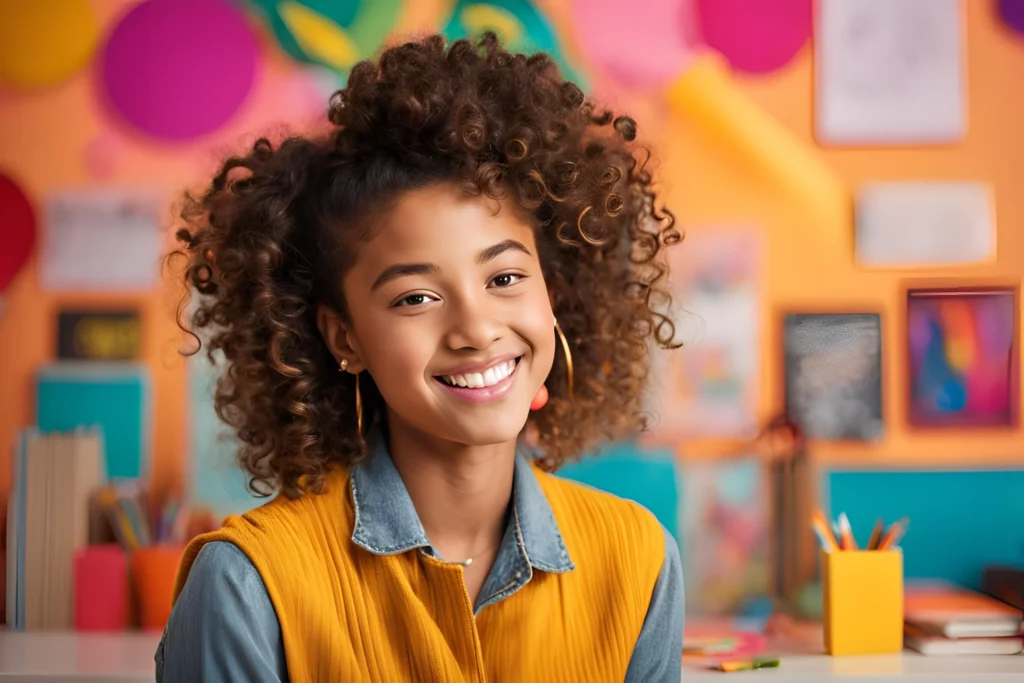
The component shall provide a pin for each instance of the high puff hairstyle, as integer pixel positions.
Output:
(278, 227)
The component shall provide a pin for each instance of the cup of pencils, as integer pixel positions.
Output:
(862, 587)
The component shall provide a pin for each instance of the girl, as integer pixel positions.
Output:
(464, 266)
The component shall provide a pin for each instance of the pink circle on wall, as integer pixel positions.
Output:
(17, 228)
(638, 47)
(178, 69)
(754, 35)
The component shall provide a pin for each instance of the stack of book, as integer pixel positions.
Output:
(54, 476)
(943, 619)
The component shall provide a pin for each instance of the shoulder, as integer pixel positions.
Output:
(221, 564)
(223, 624)
(590, 518)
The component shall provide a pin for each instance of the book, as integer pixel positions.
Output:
(929, 644)
(955, 612)
(55, 475)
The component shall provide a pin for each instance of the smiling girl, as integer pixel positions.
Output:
(422, 313)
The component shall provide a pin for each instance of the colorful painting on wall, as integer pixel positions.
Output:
(708, 388)
(963, 357)
(725, 535)
(833, 366)
(518, 23)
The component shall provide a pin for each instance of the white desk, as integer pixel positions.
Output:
(40, 657)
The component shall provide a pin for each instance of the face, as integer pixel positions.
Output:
(450, 315)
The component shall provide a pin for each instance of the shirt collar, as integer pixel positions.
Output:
(386, 522)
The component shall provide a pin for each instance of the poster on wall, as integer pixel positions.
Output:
(725, 535)
(833, 370)
(925, 223)
(215, 482)
(708, 388)
(107, 240)
(963, 357)
(890, 72)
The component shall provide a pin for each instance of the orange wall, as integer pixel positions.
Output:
(43, 136)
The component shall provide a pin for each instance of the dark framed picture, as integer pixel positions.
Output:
(962, 357)
(833, 374)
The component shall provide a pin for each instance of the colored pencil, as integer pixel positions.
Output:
(823, 531)
(846, 539)
(894, 534)
(876, 535)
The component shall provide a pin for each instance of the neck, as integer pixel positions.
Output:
(461, 493)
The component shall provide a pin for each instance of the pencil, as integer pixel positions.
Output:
(876, 534)
(824, 531)
(894, 534)
(846, 539)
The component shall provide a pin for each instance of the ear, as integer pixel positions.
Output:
(338, 338)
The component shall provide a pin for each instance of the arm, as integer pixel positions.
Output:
(223, 627)
(658, 654)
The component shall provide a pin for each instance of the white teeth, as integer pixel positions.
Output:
(487, 378)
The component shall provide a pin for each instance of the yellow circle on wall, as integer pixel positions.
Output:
(46, 41)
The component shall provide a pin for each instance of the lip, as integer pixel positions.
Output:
(492, 394)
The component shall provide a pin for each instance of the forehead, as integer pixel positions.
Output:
(442, 223)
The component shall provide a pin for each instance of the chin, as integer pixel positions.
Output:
(502, 426)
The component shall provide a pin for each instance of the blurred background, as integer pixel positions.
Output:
(847, 173)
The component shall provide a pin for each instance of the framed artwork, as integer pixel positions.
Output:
(726, 538)
(709, 388)
(962, 348)
(833, 374)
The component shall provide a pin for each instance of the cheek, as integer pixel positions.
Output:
(536, 324)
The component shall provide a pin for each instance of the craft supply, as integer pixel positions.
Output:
(846, 540)
(823, 532)
(747, 664)
(876, 535)
(894, 534)
(101, 588)
(862, 602)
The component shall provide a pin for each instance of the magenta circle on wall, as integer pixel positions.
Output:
(1012, 12)
(754, 35)
(179, 69)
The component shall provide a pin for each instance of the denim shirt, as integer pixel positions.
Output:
(224, 628)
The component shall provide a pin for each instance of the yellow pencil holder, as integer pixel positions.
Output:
(863, 601)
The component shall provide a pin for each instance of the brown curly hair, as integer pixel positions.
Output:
(271, 237)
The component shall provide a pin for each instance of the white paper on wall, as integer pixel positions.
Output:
(889, 72)
(101, 240)
(908, 224)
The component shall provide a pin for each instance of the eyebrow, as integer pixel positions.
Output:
(404, 269)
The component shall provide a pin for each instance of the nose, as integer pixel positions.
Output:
(473, 323)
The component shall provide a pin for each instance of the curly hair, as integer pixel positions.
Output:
(270, 238)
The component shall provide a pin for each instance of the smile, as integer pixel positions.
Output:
(491, 384)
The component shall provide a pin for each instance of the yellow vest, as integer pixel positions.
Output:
(349, 615)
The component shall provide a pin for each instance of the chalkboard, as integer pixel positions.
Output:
(833, 369)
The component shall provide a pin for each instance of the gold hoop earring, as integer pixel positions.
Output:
(568, 357)
(359, 408)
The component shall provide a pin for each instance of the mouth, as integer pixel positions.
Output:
(487, 386)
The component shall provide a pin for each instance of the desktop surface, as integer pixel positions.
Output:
(48, 657)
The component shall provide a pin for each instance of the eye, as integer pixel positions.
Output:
(417, 299)
(505, 280)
